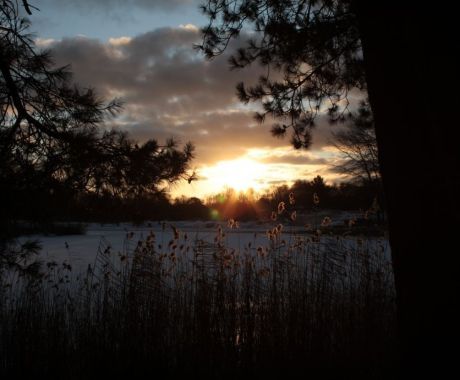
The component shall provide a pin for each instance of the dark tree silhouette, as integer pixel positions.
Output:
(402, 56)
(39, 106)
(50, 129)
(357, 144)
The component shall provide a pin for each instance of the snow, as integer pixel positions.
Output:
(81, 250)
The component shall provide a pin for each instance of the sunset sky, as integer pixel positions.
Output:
(142, 52)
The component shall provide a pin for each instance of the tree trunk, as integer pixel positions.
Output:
(412, 76)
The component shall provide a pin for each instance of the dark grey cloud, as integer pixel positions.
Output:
(169, 89)
(115, 5)
(158, 69)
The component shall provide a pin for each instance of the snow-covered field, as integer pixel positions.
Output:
(80, 250)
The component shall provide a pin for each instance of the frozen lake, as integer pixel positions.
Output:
(80, 250)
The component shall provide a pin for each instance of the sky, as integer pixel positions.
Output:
(142, 52)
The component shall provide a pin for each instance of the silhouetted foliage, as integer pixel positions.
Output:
(358, 146)
(312, 51)
(52, 146)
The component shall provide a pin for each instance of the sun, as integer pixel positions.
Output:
(240, 174)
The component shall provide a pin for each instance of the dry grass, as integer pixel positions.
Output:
(313, 306)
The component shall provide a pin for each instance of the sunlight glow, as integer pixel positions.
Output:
(240, 174)
(260, 169)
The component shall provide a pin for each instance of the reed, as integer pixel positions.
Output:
(311, 305)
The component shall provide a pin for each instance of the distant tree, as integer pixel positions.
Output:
(190, 209)
(402, 56)
(280, 193)
(357, 144)
(318, 184)
(50, 134)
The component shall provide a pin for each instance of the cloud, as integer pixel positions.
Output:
(119, 5)
(120, 41)
(159, 69)
(169, 89)
(294, 159)
(44, 43)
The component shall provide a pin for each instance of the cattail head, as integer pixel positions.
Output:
(315, 199)
(291, 199)
(176, 232)
(281, 207)
(273, 217)
(326, 221)
(293, 216)
(260, 251)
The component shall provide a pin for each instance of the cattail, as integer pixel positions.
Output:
(291, 199)
(281, 207)
(264, 272)
(326, 221)
(293, 216)
(260, 251)
(315, 199)
(273, 217)
(228, 257)
(176, 232)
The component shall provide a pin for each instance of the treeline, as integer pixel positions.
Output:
(60, 203)
(343, 196)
